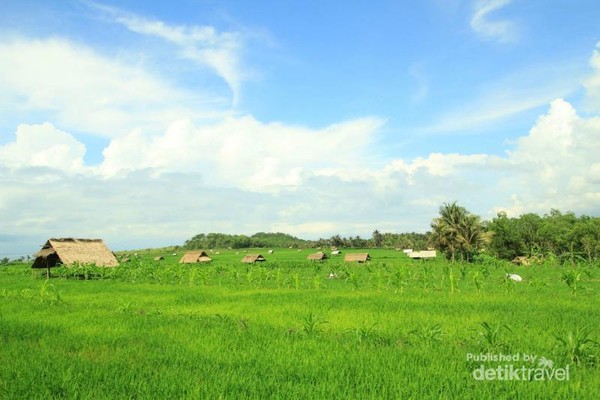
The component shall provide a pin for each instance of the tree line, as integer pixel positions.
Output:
(260, 239)
(283, 240)
(461, 234)
(456, 233)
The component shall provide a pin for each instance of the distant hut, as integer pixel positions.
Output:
(422, 255)
(524, 261)
(69, 251)
(252, 258)
(193, 257)
(159, 258)
(320, 256)
(357, 257)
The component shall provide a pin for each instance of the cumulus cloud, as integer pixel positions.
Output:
(500, 30)
(76, 88)
(554, 165)
(43, 145)
(244, 152)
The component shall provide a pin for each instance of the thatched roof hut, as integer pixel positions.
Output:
(320, 256)
(252, 258)
(357, 257)
(70, 251)
(195, 257)
(525, 261)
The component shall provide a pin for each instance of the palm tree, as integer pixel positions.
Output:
(472, 235)
(446, 227)
(457, 230)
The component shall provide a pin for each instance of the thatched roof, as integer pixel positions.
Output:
(320, 256)
(195, 257)
(525, 261)
(252, 258)
(422, 254)
(357, 257)
(69, 251)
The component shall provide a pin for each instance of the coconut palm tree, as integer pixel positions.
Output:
(458, 231)
(472, 235)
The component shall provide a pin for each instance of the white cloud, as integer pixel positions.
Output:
(204, 45)
(83, 91)
(43, 146)
(244, 152)
(554, 166)
(500, 30)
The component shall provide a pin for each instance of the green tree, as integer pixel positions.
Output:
(377, 239)
(457, 231)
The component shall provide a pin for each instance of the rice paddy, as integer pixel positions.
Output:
(292, 328)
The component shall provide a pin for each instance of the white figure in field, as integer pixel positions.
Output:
(514, 277)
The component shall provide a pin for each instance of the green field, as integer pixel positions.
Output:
(392, 328)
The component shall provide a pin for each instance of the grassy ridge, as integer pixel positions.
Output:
(394, 328)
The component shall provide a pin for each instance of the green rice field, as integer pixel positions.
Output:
(289, 328)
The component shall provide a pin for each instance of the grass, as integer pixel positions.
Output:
(393, 328)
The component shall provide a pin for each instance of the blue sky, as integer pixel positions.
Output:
(147, 122)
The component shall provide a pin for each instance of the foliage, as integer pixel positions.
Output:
(490, 337)
(566, 236)
(458, 232)
(260, 239)
(577, 347)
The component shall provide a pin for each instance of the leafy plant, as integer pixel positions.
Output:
(577, 347)
(425, 277)
(490, 336)
(477, 281)
(571, 277)
(49, 294)
(427, 334)
(368, 334)
(399, 279)
(312, 323)
(354, 280)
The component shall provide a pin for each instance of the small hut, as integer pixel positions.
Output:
(524, 261)
(252, 258)
(193, 257)
(320, 256)
(357, 257)
(422, 255)
(69, 251)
